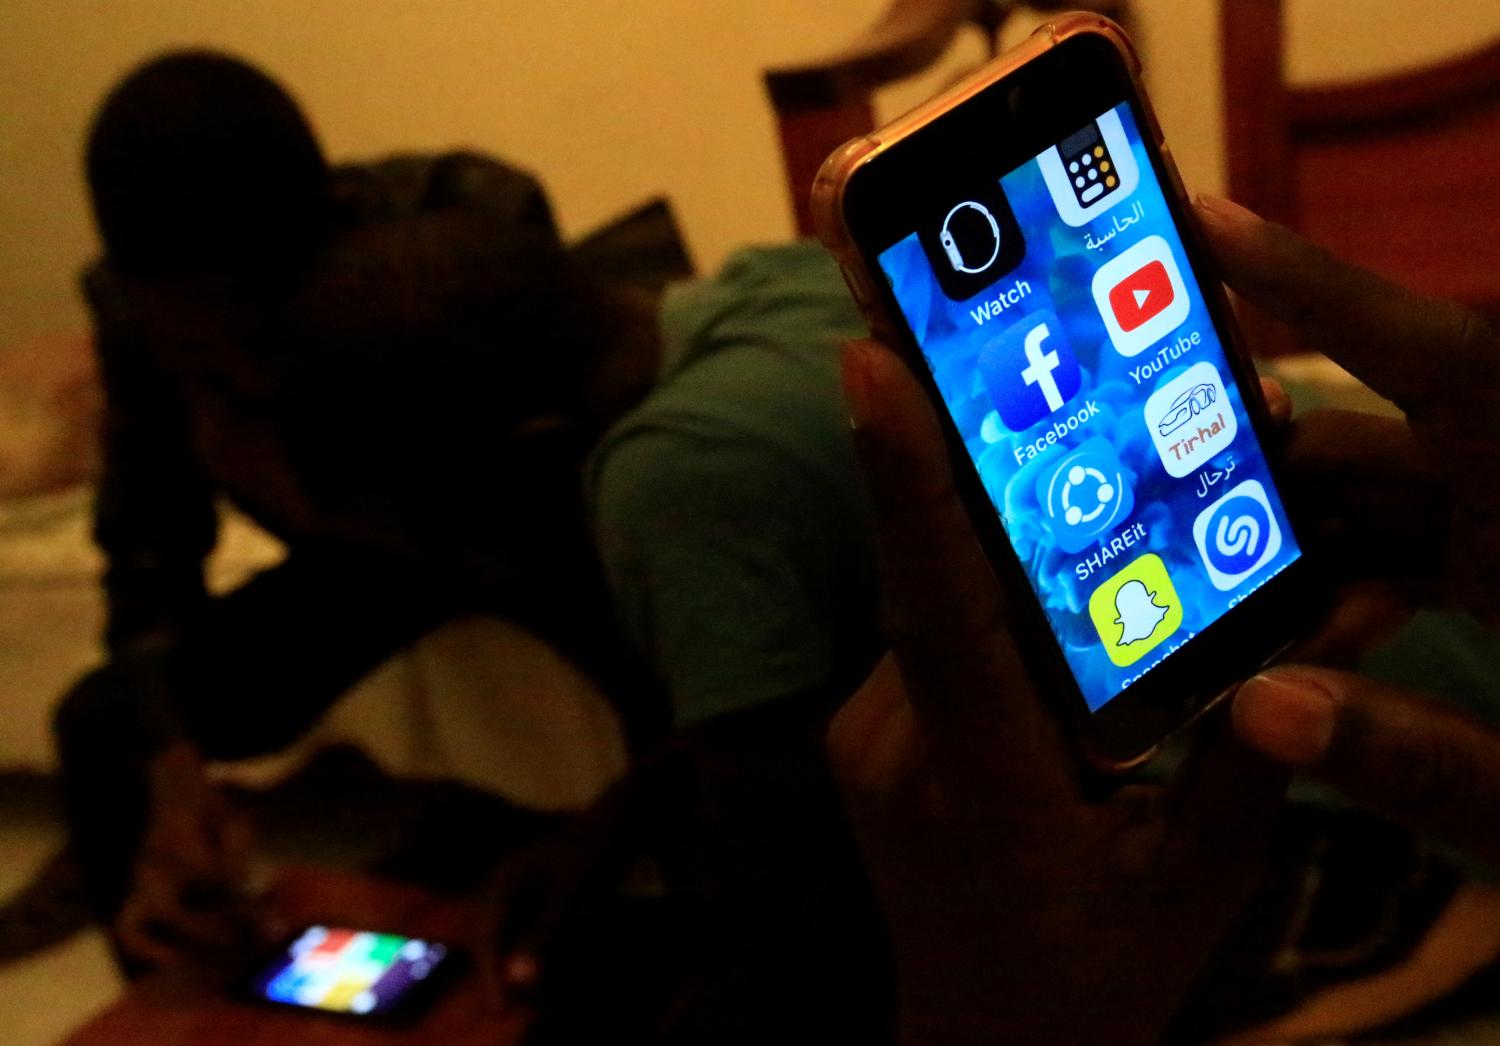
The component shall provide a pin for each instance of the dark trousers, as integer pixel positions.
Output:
(261, 665)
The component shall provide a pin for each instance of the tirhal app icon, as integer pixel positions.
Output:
(1237, 535)
(1030, 370)
(972, 240)
(1190, 419)
(1085, 495)
(1136, 610)
(1140, 296)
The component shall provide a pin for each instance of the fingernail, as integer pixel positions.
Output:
(521, 970)
(1218, 207)
(856, 371)
(1287, 715)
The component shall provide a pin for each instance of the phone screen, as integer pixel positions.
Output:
(1070, 342)
(340, 970)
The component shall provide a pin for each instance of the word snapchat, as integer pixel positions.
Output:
(1136, 610)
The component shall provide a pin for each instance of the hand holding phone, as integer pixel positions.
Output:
(984, 860)
(1411, 497)
(1024, 242)
(1019, 910)
(189, 900)
(1410, 504)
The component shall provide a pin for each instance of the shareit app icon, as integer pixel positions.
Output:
(1237, 535)
(1030, 370)
(1135, 611)
(1085, 495)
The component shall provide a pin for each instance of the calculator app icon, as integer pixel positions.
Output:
(1090, 170)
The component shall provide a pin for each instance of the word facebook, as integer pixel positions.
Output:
(1055, 432)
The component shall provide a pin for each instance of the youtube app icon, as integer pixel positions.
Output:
(1140, 296)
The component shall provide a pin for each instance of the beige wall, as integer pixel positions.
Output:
(611, 101)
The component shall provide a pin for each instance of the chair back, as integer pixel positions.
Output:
(1399, 173)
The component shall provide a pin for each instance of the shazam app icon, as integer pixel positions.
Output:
(1237, 535)
(1135, 611)
(1085, 495)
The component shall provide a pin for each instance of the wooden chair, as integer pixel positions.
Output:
(1399, 173)
(824, 102)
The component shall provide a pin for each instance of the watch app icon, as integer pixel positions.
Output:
(971, 239)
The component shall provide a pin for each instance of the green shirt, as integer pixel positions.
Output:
(728, 507)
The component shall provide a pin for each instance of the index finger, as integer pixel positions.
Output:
(946, 616)
(1396, 341)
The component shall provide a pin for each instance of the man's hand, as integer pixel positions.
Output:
(1426, 487)
(1417, 501)
(1019, 912)
(188, 900)
(1424, 764)
(550, 898)
(545, 901)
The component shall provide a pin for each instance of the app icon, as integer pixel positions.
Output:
(978, 260)
(1085, 495)
(1140, 296)
(1237, 535)
(1090, 170)
(1030, 370)
(1190, 419)
(1136, 610)
(972, 239)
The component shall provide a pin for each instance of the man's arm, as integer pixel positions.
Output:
(153, 515)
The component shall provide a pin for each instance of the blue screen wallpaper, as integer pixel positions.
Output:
(1092, 393)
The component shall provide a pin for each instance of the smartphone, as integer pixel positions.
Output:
(354, 973)
(1025, 240)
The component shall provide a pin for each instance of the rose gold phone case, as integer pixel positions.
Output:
(833, 178)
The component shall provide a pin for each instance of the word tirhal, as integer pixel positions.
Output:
(1183, 449)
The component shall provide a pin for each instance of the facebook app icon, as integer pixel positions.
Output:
(1030, 370)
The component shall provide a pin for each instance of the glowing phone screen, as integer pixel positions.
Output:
(1070, 341)
(349, 971)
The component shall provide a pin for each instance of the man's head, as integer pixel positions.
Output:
(198, 162)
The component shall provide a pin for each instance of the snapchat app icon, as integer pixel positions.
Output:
(1136, 610)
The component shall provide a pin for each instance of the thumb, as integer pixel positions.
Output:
(1420, 762)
